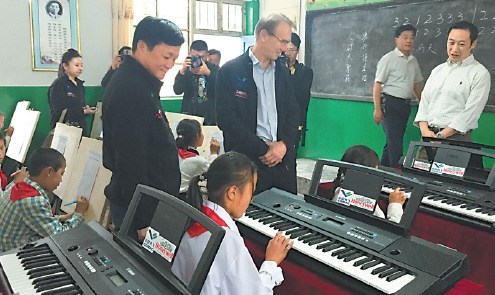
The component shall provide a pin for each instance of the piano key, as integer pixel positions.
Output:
(323, 245)
(63, 290)
(46, 272)
(343, 250)
(353, 256)
(270, 220)
(380, 269)
(348, 253)
(388, 272)
(300, 233)
(318, 240)
(396, 275)
(362, 261)
(324, 255)
(55, 284)
(475, 212)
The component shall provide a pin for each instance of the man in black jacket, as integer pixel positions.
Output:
(196, 79)
(302, 78)
(256, 107)
(138, 145)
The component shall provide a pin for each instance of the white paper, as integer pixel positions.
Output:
(88, 177)
(23, 134)
(62, 143)
(16, 117)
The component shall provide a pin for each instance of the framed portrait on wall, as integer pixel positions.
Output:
(54, 29)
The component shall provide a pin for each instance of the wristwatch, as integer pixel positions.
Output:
(440, 135)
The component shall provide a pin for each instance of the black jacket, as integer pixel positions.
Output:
(237, 101)
(186, 84)
(138, 145)
(63, 94)
(302, 81)
(107, 77)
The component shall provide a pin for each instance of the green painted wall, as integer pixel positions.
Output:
(334, 125)
(9, 96)
(329, 4)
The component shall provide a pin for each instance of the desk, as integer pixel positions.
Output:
(301, 280)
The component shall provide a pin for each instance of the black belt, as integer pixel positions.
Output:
(395, 97)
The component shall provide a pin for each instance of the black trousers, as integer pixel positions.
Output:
(282, 176)
(396, 112)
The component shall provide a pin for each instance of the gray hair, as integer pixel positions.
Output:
(269, 23)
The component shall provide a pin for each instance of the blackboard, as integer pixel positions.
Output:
(343, 46)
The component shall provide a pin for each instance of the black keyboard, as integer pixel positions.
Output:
(365, 258)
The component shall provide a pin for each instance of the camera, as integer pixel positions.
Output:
(196, 61)
(125, 52)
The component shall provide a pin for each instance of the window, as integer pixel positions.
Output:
(218, 22)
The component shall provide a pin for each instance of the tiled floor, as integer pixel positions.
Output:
(305, 169)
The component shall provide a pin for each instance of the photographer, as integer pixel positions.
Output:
(196, 79)
(117, 60)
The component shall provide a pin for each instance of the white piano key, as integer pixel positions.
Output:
(457, 209)
(388, 190)
(326, 257)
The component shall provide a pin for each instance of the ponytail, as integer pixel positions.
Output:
(187, 133)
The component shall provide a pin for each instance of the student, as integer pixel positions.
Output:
(189, 138)
(67, 92)
(363, 155)
(19, 174)
(230, 182)
(25, 212)
(214, 56)
(8, 132)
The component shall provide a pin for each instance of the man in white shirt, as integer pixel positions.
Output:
(456, 91)
(398, 80)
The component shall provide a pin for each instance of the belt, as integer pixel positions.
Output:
(400, 98)
(435, 129)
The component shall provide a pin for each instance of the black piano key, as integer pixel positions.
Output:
(363, 261)
(317, 241)
(55, 284)
(30, 248)
(491, 213)
(300, 233)
(44, 268)
(346, 249)
(43, 262)
(332, 247)
(388, 272)
(456, 203)
(309, 236)
(66, 290)
(251, 209)
(470, 206)
(272, 219)
(46, 272)
(380, 269)
(47, 279)
(34, 253)
(348, 253)
(290, 232)
(479, 210)
(320, 246)
(396, 275)
(353, 256)
(277, 223)
(288, 226)
(438, 198)
(266, 218)
(36, 258)
(74, 292)
(260, 215)
(370, 264)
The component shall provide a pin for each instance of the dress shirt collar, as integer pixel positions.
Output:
(465, 62)
(399, 53)
(256, 61)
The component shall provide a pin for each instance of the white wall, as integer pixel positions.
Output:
(293, 9)
(95, 26)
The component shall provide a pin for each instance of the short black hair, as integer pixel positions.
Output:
(404, 28)
(294, 39)
(215, 52)
(61, 9)
(154, 31)
(465, 25)
(45, 157)
(199, 45)
(121, 50)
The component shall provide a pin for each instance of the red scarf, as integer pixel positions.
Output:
(22, 190)
(197, 229)
(3, 180)
(184, 153)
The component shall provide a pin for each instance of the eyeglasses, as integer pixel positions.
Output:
(285, 42)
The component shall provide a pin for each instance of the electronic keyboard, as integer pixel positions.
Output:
(366, 258)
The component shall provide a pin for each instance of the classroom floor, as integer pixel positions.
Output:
(305, 169)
